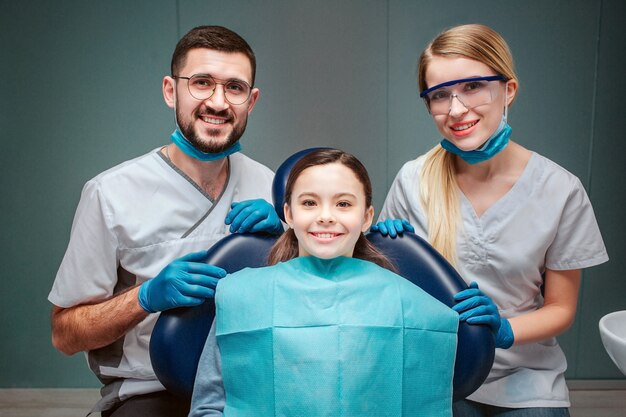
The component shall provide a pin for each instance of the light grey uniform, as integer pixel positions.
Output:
(133, 220)
(544, 221)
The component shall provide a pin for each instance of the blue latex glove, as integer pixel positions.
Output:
(392, 227)
(253, 216)
(185, 282)
(475, 307)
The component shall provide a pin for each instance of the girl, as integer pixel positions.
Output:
(323, 331)
(514, 222)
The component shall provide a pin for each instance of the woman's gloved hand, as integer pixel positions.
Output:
(392, 227)
(253, 216)
(474, 307)
(185, 282)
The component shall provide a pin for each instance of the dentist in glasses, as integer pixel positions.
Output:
(142, 229)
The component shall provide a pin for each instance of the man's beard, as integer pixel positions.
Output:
(211, 147)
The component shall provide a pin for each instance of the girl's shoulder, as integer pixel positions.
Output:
(245, 274)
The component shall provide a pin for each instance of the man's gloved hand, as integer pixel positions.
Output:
(392, 227)
(475, 307)
(186, 281)
(253, 216)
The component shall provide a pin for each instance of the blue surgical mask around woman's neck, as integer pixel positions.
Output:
(496, 142)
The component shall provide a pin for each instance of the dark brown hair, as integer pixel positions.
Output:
(286, 247)
(217, 38)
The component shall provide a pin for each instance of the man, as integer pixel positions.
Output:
(141, 230)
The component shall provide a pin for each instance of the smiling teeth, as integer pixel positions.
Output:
(325, 235)
(214, 121)
(463, 127)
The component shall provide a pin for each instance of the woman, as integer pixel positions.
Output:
(323, 331)
(512, 222)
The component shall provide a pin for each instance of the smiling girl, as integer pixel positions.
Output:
(327, 330)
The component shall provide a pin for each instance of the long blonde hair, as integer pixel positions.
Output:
(439, 191)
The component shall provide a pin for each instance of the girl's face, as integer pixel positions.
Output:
(327, 211)
(467, 128)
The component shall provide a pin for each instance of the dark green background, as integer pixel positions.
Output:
(80, 91)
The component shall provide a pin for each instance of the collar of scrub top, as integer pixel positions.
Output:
(462, 80)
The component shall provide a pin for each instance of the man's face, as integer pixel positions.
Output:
(211, 125)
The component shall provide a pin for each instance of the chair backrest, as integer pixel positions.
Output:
(179, 334)
(418, 262)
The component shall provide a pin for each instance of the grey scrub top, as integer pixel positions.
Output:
(544, 221)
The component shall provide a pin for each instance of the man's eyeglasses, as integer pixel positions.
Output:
(202, 87)
(471, 92)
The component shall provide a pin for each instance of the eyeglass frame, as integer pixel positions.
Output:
(423, 94)
(223, 84)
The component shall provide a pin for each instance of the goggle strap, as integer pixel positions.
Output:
(462, 80)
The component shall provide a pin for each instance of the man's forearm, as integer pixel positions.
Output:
(92, 326)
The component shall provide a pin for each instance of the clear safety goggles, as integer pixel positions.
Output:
(471, 92)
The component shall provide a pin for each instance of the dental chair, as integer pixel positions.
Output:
(179, 335)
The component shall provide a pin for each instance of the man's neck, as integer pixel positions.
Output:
(210, 176)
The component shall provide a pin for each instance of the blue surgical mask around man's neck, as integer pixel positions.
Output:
(187, 147)
(184, 145)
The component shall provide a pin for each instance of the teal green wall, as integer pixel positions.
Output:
(80, 91)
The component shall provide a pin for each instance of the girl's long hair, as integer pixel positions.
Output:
(286, 247)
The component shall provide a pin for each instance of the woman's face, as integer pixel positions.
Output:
(327, 211)
(468, 128)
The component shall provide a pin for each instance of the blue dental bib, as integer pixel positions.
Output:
(339, 337)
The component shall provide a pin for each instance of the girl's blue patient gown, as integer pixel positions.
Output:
(340, 337)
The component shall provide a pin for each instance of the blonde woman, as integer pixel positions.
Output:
(517, 226)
